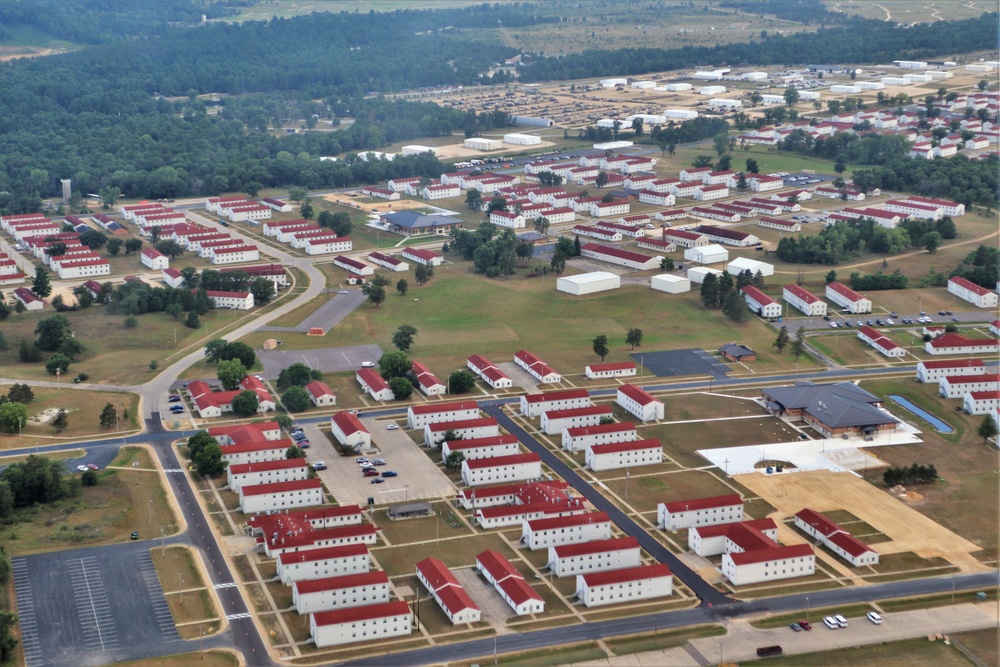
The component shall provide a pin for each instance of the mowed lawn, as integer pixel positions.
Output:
(459, 314)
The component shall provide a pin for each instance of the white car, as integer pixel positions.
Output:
(82, 468)
(367, 364)
(841, 621)
(889, 322)
(391, 427)
(875, 617)
(831, 622)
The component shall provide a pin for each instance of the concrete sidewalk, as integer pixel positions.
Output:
(742, 640)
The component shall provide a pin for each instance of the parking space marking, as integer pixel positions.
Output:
(96, 619)
(164, 619)
(30, 643)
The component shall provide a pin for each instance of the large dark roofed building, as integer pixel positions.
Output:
(834, 409)
(412, 223)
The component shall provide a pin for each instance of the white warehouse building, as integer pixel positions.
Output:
(481, 144)
(518, 139)
(588, 283)
(670, 284)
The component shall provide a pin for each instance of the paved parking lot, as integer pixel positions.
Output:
(327, 359)
(419, 477)
(669, 363)
(91, 606)
(327, 316)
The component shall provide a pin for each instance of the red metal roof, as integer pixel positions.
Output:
(282, 487)
(536, 525)
(637, 394)
(596, 546)
(497, 461)
(366, 613)
(472, 443)
(339, 583)
(720, 529)
(497, 565)
(954, 340)
(640, 573)
(317, 389)
(967, 379)
(772, 554)
(563, 395)
(844, 291)
(348, 423)
(435, 408)
(436, 573)
(805, 295)
(617, 252)
(455, 599)
(984, 395)
(850, 544)
(600, 428)
(818, 521)
(439, 427)
(323, 553)
(256, 446)
(972, 287)
(579, 412)
(953, 363)
(727, 500)
(264, 466)
(620, 366)
(630, 446)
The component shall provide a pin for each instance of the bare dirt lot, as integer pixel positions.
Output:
(826, 491)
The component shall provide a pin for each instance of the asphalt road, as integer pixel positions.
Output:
(676, 619)
(701, 588)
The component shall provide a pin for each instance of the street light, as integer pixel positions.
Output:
(807, 609)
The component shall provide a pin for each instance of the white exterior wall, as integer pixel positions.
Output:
(772, 309)
(986, 300)
(536, 408)
(520, 472)
(753, 573)
(615, 559)
(580, 442)
(708, 254)
(626, 459)
(696, 274)
(958, 388)
(558, 425)
(281, 500)
(84, 271)
(815, 309)
(981, 406)
(625, 591)
(254, 478)
(543, 539)
(341, 598)
(248, 254)
(703, 517)
(330, 246)
(326, 567)
(573, 285)
(859, 307)
(367, 630)
(483, 452)
(433, 436)
(644, 412)
(415, 421)
(925, 374)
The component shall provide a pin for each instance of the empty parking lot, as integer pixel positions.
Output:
(670, 363)
(91, 606)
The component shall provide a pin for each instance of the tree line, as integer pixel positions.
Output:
(845, 239)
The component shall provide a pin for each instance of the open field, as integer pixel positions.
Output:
(203, 659)
(457, 553)
(916, 652)
(82, 411)
(910, 11)
(184, 588)
(821, 490)
(122, 501)
(965, 499)
(459, 314)
(681, 441)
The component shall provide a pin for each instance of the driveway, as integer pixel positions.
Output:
(340, 304)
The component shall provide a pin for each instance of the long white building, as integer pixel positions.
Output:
(639, 403)
(502, 469)
(482, 448)
(447, 592)
(804, 301)
(578, 439)
(533, 405)
(419, 416)
(269, 472)
(341, 592)
(957, 386)
(544, 533)
(626, 585)
(437, 432)
(322, 562)
(978, 296)
(845, 297)
(509, 583)
(567, 560)
(835, 538)
(709, 511)
(281, 495)
(356, 624)
(619, 455)
(554, 422)
(934, 371)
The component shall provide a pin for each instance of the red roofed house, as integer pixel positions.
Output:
(540, 370)
(835, 538)
(803, 300)
(880, 342)
(266, 472)
(533, 405)
(437, 432)
(427, 381)
(769, 563)
(357, 624)
(761, 303)
(374, 384)
(700, 512)
(971, 292)
(341, 592)
(544, 533)
(154, 259)
(711, 540)
(511, 468)
(638, 402)
(845, 297)
(323, 562)
(933, 371)
(273, 545)
(982, 403)
(612, 554)
(488, 372)
(958, 386)
(555, 422)
(447, 592)
(256, 432)
(320, 394)
(348, 430)
(509, 583)
(28, 299)
(952, 343)
(419, 416)
(279, 496)
(482, 448)
(578, 439)
(388, 261)
(353, 266)
(421, 256)
(619, 455)
(620, 369)
(173, 278)
(643, 582)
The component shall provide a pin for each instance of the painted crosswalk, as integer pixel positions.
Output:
(231, 584)
(174, 470)
(236, 617)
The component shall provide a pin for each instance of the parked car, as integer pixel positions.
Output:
(889, 322)
(378, 480)
(795, 627)
(177, 409)
(954, 319)
(134, 536)
(893, 315)
(392, 427)
(82, 468)
(875, 617)
(172, 399)
(367, 364)
(304, 444)
(361, 459)
(93, 466)
(379, 462)
(370, 473)
(805, 625)
(319, 465)
(390, 473)
(831, 622)
(841, 621)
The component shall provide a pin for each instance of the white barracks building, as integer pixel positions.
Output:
(358, 624)
(626, 585)
(533, 405)
(419, 416)
(281, 495)
(578, 439)
(624, 455)
(570, 559)
(544, 533)
(323, 562)
(513, 468)
(639, 403)
(268, 472)
(803, 300)
(699, 512)
(351, 590)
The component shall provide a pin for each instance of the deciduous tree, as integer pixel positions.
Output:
(600, 346)
(245, 404)
(633, 337)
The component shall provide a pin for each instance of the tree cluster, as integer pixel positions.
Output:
(844, 240)
(494, 252)
(914, 474)
(297, 375)
(980, 266)
(36, 480)
(873, 282)
(219, 350)
(206, 454)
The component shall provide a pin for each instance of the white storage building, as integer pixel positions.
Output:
(681, 114)
(711, 90)
(707, 254)
(588, 283)
(696, 274)
(670, 283)
(518, 139)
(741, 264)
(415, 149)
(481, 144)
(676, 87)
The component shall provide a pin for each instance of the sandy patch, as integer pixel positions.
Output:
(45, 416)
(824, 491)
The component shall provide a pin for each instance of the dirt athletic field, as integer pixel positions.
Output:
(826, 491)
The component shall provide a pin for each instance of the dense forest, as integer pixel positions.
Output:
(844, 240)
(192, 110)
(858, 41)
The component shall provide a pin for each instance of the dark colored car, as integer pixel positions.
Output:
(378, 480)
(390, 473)
(134, 536)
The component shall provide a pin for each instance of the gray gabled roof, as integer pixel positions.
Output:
(414, 220)
(837, 405)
